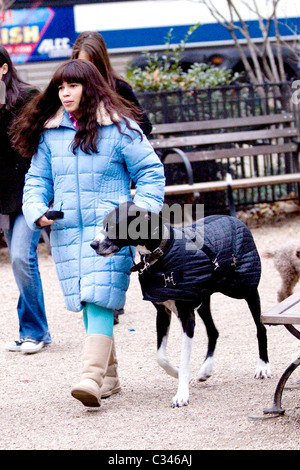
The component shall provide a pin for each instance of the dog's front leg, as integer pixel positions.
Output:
(163, 320)
(187, 319)
(183, 394)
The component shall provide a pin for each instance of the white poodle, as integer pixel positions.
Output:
(287, 262)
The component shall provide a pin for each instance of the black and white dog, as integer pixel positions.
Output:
(180, 269)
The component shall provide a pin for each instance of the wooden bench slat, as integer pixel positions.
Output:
(243, 183)
(212, 139)
(214, 124)
(265, 180)
(196, 187)
(287, 319)
(285, 312)
(205, 155)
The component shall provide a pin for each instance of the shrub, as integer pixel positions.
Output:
(164, 73)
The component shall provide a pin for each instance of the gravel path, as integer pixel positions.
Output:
(38, 412)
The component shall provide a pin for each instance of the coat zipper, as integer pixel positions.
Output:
(80, 222)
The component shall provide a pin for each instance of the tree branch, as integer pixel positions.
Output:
(6, 4)
(264, 61)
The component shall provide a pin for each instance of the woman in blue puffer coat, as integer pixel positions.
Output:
(86, 150)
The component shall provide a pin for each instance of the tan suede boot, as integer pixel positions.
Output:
(111, 383)
(96, 354)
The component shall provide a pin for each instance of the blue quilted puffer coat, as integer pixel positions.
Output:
(86, 188)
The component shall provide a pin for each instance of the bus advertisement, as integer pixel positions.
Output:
(48, 33)
(38, 34)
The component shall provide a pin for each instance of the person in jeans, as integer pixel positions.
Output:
(21, 241)
(85, 150)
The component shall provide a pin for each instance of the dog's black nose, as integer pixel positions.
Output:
(94, 244)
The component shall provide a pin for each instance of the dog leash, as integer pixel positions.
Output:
(146, 261)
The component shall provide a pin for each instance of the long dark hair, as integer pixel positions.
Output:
(14, 85)
(31, 122)
(93, 44)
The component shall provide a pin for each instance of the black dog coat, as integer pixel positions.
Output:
(215, 255)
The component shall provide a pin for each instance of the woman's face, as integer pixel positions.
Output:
(70, 95)
(3, 70)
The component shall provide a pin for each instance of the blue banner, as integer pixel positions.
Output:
(38, 34)
(45, 34)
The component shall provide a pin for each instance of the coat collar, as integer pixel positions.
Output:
(62, 118)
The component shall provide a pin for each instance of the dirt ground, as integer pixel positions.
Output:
(38, 412)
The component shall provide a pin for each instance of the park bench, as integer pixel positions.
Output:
(252, 138)
(285, 313)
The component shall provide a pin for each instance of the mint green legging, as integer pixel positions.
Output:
(98, 320)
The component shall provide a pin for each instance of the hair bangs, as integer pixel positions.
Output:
(70, 72)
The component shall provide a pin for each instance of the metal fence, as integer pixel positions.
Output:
(216, 103)
(227, 102)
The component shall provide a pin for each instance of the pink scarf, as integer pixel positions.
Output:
(73, 119)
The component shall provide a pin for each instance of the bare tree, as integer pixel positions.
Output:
(6, 4)
(264, 61)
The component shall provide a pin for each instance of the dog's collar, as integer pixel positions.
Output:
(151, 258)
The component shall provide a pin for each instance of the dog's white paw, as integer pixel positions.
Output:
(180, 400)
(263, 370)
(182, 396)
(205, 370)
(168, 367)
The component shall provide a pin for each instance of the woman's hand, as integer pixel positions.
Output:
(43, 221)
